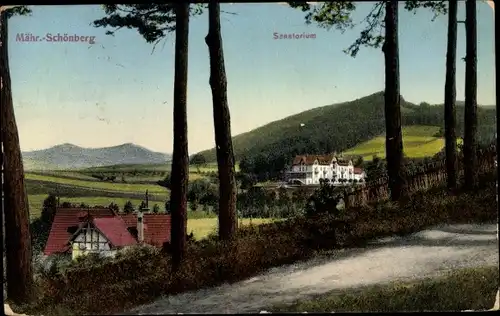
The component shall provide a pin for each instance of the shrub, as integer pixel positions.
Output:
(128, 207)
(139, 275)
(156, 209)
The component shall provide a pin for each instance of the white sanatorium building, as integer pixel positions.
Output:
(309, 169)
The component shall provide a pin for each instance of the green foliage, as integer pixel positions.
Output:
(258, 202)
(128, 207)
(265, 152)
(166, 182)
(49, 209)
(152, 21)
(156, 209)
(324, 201)
(40, 227)
(198, 159)
(338, 15)
(18, 10)
(328, 14)
(375, 169)
(209, 263)
(193, 206)
(52, 266)
(142, 205)
(114, 207)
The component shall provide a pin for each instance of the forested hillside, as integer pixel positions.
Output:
(336, 128)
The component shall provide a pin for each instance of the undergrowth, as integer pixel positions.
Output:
(142, 274)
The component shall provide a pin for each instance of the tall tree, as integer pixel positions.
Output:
(180, 157)
(450, 95)
(222, 123)
(470, 111)
(154, 22)
(393, 132)
(17, 232)
(338, 15)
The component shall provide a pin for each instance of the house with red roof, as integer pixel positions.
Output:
(78, 231)
(310, 169)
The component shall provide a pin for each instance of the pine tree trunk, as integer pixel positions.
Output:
(450, 95)
(470, 119)
(222, 122)
(394, 136)
(180, 158)
(17, 233)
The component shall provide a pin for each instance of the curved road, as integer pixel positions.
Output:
(427, 253)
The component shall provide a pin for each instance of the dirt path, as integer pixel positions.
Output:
(423, 254)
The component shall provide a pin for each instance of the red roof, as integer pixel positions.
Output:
(115, 230)
(358, 170)
(310, 159)
(63, 220)
(156, 227)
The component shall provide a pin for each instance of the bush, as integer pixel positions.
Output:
(139, 275)
(128, 207)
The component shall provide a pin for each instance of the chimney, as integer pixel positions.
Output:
(140, 221)
(140, 226)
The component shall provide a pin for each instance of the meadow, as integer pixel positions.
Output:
(79, 186)
(98, 185)
(418, 141)
(202, 227)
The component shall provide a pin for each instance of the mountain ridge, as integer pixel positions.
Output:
(71, 156)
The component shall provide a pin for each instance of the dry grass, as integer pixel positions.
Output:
(463, 289)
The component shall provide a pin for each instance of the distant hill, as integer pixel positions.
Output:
(69, 156)
(336, 127)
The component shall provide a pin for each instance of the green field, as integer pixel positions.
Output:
(418, 141)
(98, 185)
(202, 227)
(79, 186)
(148, 168)
(36, 202)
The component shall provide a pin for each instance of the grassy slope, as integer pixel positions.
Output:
(418, 142)
(463, 289)
(341, 126)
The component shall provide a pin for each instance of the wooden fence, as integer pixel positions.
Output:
(434, 175)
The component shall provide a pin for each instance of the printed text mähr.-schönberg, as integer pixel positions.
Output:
(54, 38)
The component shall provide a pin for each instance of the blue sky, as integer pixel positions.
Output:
(118, 90)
